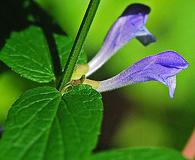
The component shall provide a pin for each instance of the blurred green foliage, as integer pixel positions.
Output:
(11, 87)
(158, 119)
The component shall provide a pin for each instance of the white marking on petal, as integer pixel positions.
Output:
(171, 83)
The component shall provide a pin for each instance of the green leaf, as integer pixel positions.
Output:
(43, 126)
(27, 53)
(139, 154)
(77, 124)
(28, 125)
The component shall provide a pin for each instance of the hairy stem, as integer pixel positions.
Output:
(78, 43)
(189, 149)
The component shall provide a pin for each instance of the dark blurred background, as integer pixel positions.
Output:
(137, 115)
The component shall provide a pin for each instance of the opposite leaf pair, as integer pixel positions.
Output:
(162, 67)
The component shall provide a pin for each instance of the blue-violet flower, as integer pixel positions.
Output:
(162, 67)
(129, 25)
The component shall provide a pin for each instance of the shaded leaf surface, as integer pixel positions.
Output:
(139, 154)
(64, 45)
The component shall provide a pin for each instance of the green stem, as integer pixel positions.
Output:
(78, 43)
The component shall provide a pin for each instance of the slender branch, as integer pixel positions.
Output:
(189, 149)
(78, 43)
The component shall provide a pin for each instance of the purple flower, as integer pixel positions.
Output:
(129, 25)
(162, 67)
